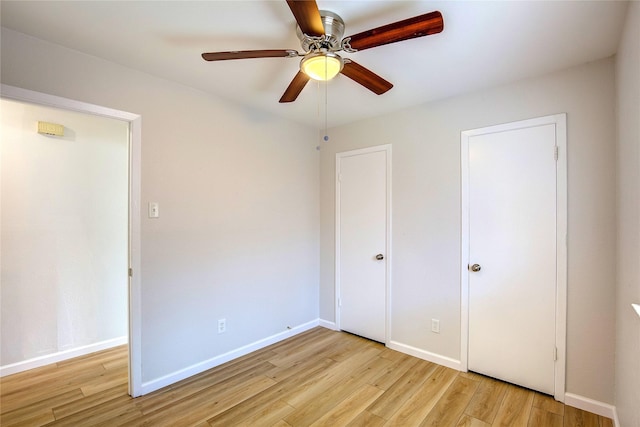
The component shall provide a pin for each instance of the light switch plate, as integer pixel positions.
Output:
(154, 210)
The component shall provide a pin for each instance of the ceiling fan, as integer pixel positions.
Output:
(320, 33)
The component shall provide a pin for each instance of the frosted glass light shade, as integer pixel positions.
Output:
(321, 65)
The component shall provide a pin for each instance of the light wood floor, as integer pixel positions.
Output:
(317, 378)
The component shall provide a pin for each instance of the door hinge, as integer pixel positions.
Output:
(130, 272)
(555, 152)
(339, 302)
(339, 177)
(555, 353)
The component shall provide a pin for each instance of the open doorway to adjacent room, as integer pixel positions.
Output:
(68, 239)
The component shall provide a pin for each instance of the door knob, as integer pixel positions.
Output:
(475, 267)
(379, 257)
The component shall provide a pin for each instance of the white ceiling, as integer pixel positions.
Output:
(484, 43)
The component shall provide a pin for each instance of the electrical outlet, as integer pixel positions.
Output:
(222, 326)
(435, 326)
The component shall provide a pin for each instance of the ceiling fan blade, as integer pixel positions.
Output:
(246, 54)
(295, 87)
(418, 26)
(307, 16)
(366, 78)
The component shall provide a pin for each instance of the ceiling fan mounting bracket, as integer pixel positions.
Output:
(332, 38)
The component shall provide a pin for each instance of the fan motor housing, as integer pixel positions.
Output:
(333, 29)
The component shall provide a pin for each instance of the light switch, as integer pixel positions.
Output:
(154, 210)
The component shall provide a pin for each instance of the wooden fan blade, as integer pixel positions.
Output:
(418, 26)
(295, 87)
(246, 54)
(307, 16)
(366, 78)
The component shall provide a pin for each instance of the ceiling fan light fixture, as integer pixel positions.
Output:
(322, 66)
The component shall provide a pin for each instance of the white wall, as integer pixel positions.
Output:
(63, 232)
(238, 232)
(628, 253)
(426, 212)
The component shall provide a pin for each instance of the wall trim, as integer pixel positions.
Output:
(591, 405)
(327, 324)
(426, 355)
(158, 383)
(59, 356)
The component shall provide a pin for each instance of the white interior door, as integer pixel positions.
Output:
(361, 217)
(512, 254)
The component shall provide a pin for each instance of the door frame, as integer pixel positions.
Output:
(134, 154)
(560, 122)
(339, 156)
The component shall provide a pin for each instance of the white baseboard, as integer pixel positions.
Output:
(328, 325)
(426, 355)
(158, 383)
(590, 405)
(48, 359)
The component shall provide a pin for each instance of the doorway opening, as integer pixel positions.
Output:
(71, 231)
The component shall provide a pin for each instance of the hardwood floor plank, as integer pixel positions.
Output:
(314, 405)
(352, 343)
(41, 390)
(399, 368)
(207, 403)
(316, 344)
(390, 354)
(396, 395)
(548, 404)
(206, 400)
(111, 378)
(515, 407)
(40, 412)
(468, 421)
(236, 374)
(472, 375)
(279, 373)
(422, 401)
(347, 410)
(333, 376)
(541, 418)
(28, 417)
(81, 403)
(267, 414)
(105, 413)
(451, 405)
(278, 392)
(122, 361)
(367, 419)
(486, 402)
(574, 417)
(98, 357)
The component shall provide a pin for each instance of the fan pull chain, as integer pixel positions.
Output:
(326, 101)
(326, 108)
(318, 119)
(325, 138)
